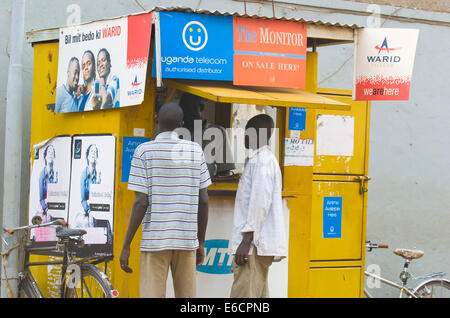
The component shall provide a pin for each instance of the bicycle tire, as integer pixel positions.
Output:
(94, 284)
(26, 289)
(433, 288)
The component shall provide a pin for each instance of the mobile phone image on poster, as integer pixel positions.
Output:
(49, 185)
(92, 190)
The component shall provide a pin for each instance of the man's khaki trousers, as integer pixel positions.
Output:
(250, 280)
(154, 270)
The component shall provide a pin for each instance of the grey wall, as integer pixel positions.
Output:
(409, 148)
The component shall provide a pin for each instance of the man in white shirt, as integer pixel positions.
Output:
(258, 236)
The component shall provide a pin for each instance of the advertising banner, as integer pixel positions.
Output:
(103, 64)
(246, 51)
(49, 185)
(196, 46)
(92, 190)
(384, 61)
(269, 53)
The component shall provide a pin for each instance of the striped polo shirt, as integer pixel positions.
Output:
(171, 171)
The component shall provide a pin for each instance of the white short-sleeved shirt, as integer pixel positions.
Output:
(171, 171)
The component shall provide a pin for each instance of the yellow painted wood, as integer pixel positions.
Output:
(225, 92)
(297, 181)
(341, 282)
(119, 122)
(346, 164)
(348, 247)
(334, 264)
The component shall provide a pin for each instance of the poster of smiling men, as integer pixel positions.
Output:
(49, 185)
(103, 65)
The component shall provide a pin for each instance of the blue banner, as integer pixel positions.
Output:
(129, 146)
(196, 46)
(332, 217)
(297, 118)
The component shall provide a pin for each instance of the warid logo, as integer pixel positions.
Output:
(135, 88)
(195, 36)
(217, 260)
(135, 82)
(384, 58)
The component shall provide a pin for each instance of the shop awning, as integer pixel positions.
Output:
(225, 92)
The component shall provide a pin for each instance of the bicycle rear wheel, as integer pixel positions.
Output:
(434, 288)
(93, 284)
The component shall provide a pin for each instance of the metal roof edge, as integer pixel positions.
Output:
(345, 32)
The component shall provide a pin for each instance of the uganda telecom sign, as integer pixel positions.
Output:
(196, 46)
(384, 60)
(246, 51)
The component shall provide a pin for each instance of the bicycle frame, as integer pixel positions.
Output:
(402, 288)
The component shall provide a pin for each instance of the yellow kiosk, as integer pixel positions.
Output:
(336, 166)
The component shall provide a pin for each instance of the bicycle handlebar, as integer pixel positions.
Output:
(56, 222)
(371, 245)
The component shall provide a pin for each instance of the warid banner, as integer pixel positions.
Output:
(103, 64)
(269, 53)
(384, 61)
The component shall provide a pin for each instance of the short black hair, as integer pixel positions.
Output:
(170, 116)
(108, 57)
(261, 121)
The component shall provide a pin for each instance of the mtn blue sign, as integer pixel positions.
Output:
(196, 46)
(217, 258)
(332, 217)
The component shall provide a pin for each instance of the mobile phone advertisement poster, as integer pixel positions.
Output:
(103, 64)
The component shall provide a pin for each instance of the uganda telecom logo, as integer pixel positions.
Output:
(196, 46)
(195, 36)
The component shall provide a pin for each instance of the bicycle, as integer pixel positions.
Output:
(435, 285)
(80, 278)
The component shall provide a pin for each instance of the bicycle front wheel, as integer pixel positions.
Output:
(93, 284)
(434, 288)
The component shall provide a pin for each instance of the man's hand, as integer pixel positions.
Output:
(241, 256)
(200, 255)
(124, 256)
(96, 102)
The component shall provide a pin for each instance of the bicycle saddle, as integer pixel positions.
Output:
(70, 232)
(408, 254)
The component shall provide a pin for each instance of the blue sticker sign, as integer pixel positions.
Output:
(196, 46)
(217, 258)
(129, 146)
(297, 118)
(332, 217)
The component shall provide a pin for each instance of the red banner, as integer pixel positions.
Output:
(269, 53)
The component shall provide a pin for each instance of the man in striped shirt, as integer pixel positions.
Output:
(170, 177)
